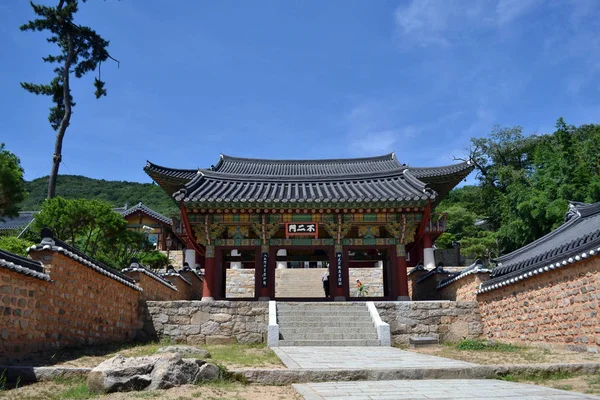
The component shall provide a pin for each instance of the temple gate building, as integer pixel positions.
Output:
(253, 224)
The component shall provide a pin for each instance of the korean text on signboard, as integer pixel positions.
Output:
(265, 264)
(338, 269)
(301, 229)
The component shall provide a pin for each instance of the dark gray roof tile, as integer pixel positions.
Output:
(579, 234)
(23, 265)
(148, 211)
(20, 222)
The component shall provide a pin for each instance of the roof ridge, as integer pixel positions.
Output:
(392, 173)
(574, 218)
(385, 157)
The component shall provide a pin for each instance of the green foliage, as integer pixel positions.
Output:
(95, 229)
(481, 345)
(154, 259)
(524, 186)
(12, 185)
(116, 193)
(80, 50)
(15, 245)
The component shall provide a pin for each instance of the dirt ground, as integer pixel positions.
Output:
(54, 391)
(523, 355)
(588, 384)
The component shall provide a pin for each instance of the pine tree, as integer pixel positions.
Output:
(81, 50)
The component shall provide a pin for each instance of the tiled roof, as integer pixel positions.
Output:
(23, 265)
(307, 168)
(174, 173)
(357, 180)
(577, 238)
(20, 222)
(135, 266)
(53, 244)
(474, 268)
(148, 211)
(212, 187)
(426, 173)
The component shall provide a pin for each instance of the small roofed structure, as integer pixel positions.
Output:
(158, 227)
(577, 239)
(18, 223)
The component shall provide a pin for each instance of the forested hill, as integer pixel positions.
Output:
(117, 193)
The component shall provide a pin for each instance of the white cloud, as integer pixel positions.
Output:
(509, 10)
(374, 143)
(448, 22)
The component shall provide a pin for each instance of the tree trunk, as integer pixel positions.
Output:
(64, 123)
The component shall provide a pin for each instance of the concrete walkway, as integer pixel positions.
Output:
(360, 358)
(384, 359)
(443, 389)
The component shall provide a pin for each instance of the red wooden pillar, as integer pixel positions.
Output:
(393, 273)
(401, 269)
(345, 274)
(208, 289)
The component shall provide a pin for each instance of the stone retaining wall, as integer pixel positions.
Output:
(446, 320)
(215, 322)
(195, 322)
(556, 307)
(239, 283)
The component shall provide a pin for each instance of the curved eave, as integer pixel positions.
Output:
(169, 179)
(442, 179)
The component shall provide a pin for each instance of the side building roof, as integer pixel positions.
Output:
(140, 207)
(21, 221)
(283, 183)
(577, 238)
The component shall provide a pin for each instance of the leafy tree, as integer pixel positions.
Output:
(80, 50)
(12, 184)
(15, 245)
(95, 229)
(525, 184)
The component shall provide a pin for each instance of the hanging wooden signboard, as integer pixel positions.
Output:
(301, 229)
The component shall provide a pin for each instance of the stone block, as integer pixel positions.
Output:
(219, 339)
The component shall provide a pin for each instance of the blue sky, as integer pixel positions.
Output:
(302, 79)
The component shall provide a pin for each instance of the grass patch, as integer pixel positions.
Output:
(538, 377)
(253, 355)
(481, 345)
(79, 391)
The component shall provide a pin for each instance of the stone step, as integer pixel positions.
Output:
(328, 336)
(316, 312)
(325, 321)
(327, 330)
(348, 342)
(318, 327)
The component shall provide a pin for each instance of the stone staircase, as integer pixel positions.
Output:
(299, 283)
(325, 324)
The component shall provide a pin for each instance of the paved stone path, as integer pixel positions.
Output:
(442, 389)
(360, 358)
